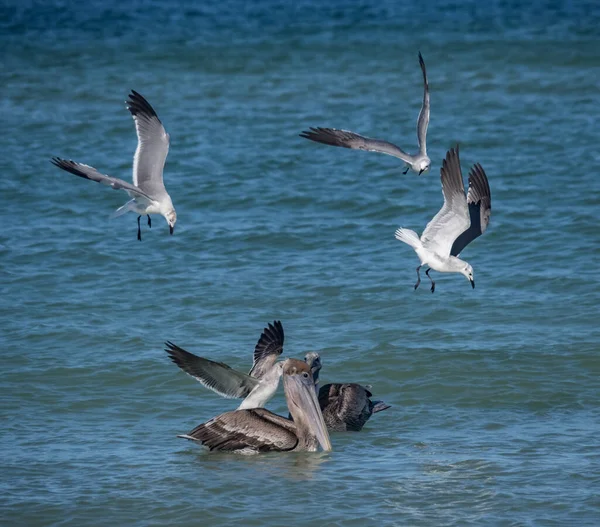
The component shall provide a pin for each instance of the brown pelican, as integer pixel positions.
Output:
(257, 387)
(259, 430)
(345, 407)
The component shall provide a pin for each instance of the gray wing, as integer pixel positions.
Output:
(453, 218)
(479, 199)
(215, 376)
(256, 429)
(347, 139)
(267, 349)
(423, 120)
(152, 148)
(88, 172)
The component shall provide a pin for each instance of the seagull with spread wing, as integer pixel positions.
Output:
(460, 220)
(148, 192)
(419, 162)
(256, 388)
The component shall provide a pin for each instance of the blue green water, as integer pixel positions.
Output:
(494, 391)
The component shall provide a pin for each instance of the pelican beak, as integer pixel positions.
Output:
(304, 397)
(472, 283)
(171, 229)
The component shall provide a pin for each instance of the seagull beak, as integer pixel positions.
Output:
(171, 229)
(421, 171)
(472, 283)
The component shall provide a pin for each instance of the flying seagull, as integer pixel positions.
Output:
(256, 387)
(345, 406)
(252, 431)
(419, 162)
(148, 192)
(460, 220)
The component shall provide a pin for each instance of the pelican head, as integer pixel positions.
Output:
(467, 271)
(171, 217)
(302, 402)
(423, 165)
(313, 359)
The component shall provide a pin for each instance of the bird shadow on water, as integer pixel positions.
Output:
(295, 466)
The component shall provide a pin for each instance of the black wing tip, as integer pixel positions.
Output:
(138, 105)
(68, 165)
(423, 69)
(176, 353)
(478, 181)
(271, 336)
(451, 154)
(274, 332)
(315, 131)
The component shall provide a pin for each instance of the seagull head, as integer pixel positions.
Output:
(423, 165)
(171, 217)
(468, 272)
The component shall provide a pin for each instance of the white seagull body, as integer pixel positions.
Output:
(460, 220)
(148, 192)
(257, 387)
(418, 162)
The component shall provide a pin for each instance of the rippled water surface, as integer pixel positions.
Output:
(494, 391)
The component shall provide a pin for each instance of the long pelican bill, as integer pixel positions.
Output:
(303, 396)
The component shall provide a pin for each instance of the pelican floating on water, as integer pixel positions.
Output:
(256, 387)
(345, 406)
(252, 431)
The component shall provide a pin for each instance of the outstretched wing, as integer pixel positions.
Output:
(479, 199)
(88, 172)
(347, 139)
(215, 376)
(267, 349)
(423, 120)
(257, 430)
(152, 148)
(453, 218)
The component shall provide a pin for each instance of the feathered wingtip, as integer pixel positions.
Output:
(139, 106)
(270, 340)
(422, 64)
(479, 187)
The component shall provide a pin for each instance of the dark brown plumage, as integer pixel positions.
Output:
(347, 407)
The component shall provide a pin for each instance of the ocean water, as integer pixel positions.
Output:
(495, 391)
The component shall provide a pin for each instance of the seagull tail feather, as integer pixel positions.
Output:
(409, 237)
(124, 209)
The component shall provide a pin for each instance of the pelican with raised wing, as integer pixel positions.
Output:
(418, 162)
(346, 407)
(258, 430)
(148, 192)
(256, 387)
(460, 220)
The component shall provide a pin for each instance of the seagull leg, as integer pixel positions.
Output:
(418, 278)
(149, 221)
(139, 229)
(406, 171)
(432, 282)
